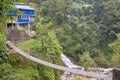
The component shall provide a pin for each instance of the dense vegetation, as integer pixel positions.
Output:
(86, 30)
(83, 26)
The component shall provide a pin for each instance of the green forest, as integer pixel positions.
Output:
(88, 31)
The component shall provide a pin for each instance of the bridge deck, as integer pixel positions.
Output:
(91, 74)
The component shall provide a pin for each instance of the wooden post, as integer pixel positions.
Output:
(7, 30)
(17, 23)
(116, 74)
(29, 32)
(29, 26)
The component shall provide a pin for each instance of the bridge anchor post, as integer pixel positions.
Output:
(116, 74)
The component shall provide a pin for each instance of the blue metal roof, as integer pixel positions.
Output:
(27, 13)
(22, 6)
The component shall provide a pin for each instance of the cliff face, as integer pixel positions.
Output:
(16, 35)
(22, 33)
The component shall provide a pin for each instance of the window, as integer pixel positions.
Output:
(19, 17)
(30, 12)
(31, 18)
(24, 17)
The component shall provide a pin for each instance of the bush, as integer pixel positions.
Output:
(116, 60)
(3, 49)
(101, 60)
(86, 60)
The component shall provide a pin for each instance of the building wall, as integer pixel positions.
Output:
(17, 35)
(27, 16)
(20, 27)
(27, 12)
(25, 19)
(11, 13)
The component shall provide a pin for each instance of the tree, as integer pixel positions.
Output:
(6, 70)
(5, 6)
(3, 50)
(57, 10)
(45, 47)
(86, 60)
(109, 19)
(79, 36)
(115, 46)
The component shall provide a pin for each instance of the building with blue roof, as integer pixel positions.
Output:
(27, 13)
(23, 17)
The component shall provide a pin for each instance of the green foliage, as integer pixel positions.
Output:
(28, 73)
(115, 46)
(2, 39)
(6, 71)
(5, 5)
(86, 60)
(76, 38)
(3, 49)
(84, 28)
(45, 47)
(116, 60)
(46, 73)
(59, 18)
(3, 55)
(57, 10)
(26, 46)
(101, 60)
(50, 51)
(110, 20)
(91, 26)
(15, 60)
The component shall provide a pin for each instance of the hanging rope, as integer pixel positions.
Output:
(84, 73)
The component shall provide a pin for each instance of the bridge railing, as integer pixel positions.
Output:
(84, 73)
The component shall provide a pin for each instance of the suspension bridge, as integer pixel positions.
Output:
(79, 72)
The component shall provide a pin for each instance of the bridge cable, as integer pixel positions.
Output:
(84, 73)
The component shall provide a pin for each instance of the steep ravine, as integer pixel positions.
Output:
(68, 76)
